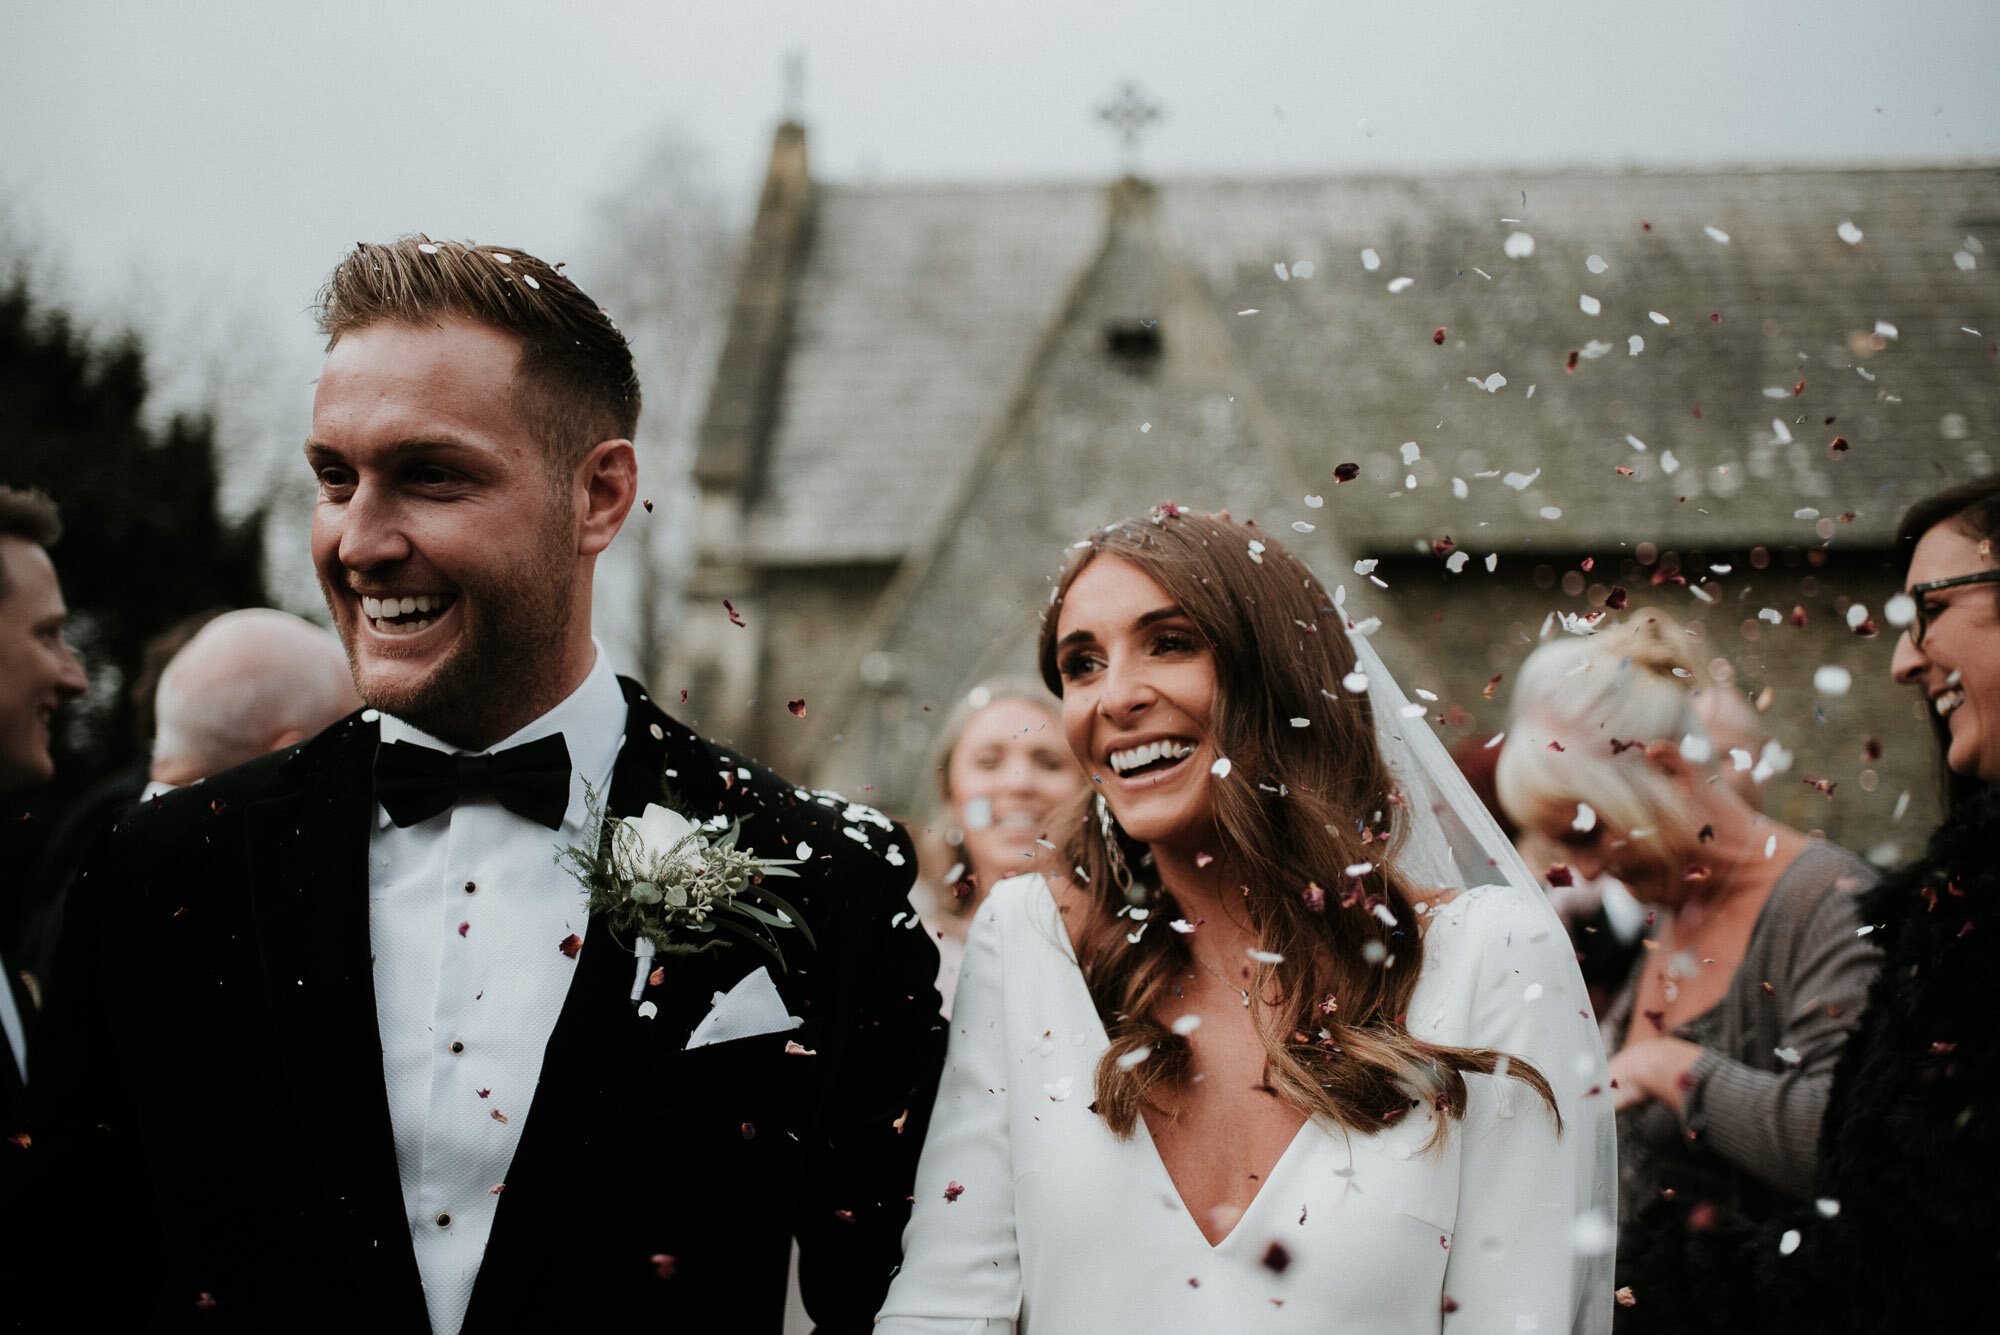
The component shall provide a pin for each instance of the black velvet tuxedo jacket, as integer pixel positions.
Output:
(209, 1098)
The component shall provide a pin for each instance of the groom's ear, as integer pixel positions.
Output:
(607, 482)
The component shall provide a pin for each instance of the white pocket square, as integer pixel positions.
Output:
(750, 1008)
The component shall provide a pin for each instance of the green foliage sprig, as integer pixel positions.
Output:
(659, 877)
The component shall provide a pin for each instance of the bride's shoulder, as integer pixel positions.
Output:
(1055, 909)
(1487, 917)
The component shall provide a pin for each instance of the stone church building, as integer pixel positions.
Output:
(1715, 390)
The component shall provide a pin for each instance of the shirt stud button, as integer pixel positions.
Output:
(444, 1219)
(456, 1047)
(471, 886)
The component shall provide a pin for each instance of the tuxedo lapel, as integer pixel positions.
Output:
(308, 852)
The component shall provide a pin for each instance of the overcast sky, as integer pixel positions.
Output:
(218, 157)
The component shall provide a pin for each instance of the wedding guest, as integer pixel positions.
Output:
(1004, 772)
(499, 932)
(1727, 1029)
(250, 681)
(38, 672)
(1255, 1066)
(79, 823)
(1902, 1233)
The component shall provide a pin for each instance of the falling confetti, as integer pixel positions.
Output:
(798, 708)
(727, 607)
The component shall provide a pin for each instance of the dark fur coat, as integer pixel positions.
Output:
(1905, 1232)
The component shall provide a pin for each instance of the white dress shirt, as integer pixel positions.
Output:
(467, 916)
(1029, 1210)
(10, 1022)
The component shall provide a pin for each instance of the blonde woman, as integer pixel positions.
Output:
(1726, 1033)
(1004, 772)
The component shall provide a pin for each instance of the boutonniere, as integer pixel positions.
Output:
(669, 888)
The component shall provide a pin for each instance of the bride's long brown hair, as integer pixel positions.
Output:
(1299, 807)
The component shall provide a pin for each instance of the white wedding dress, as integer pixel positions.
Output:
(1029, 1211)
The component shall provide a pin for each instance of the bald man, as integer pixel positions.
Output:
(250, 682)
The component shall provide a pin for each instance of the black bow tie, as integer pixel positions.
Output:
(414, 783)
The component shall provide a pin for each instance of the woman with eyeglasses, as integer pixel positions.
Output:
(1903, 1231)
(1725, 1034)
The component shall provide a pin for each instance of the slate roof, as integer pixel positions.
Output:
(919, 308)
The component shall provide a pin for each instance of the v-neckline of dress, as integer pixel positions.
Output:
(1152, 1149)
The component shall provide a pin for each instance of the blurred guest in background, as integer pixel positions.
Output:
(79, 821)
(1605, 924)
(251, 681)
(1727, 1031)
(1004, 772)
(37, 673)
(1903, 1233)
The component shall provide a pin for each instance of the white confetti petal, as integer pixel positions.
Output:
(1410, 452)
(1133, 1058)
(1591, 305)
(1634, 346)
(1355, 682)
(1220, 769)
(1596, 264)
(1284, 275)
(1657, 318)
(1532, 992)
(1187, 1024)
(1521, 481)
(1265, 956)
(1885, 329)
(1849, 233)
(1303, 269)
(1518, 246)
(1635, 442)
(1586, 818)
(1367, 566)
(1370, 260)
(1459, 489)
(1314, 502)
(1059, 1088)
(1900, 610)
(1789, 1243)
(1401, 285)
(1717, 235)
(1456, 562)
(1669, 464)
(1964, 260)
(1301, 526)
(1832, 679)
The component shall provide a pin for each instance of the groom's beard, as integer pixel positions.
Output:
(515, 621)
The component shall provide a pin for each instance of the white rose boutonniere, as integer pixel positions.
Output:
(668, 888)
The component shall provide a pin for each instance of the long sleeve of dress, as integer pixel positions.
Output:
(1512, 1263)
(962, 1268)
(1768, 1122)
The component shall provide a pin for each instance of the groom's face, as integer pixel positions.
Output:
(446, 551)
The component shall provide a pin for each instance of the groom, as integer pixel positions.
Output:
(346, 1047)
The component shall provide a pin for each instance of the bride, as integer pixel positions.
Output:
(1263, 1062)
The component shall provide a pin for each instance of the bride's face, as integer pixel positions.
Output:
(1138, 692)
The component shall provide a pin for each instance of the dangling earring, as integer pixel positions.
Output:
(1107, 826)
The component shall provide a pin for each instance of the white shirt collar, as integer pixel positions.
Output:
(591, 720)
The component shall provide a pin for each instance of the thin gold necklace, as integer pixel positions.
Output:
(1220, 977)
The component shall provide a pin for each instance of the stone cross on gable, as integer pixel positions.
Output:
(1130, 115)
